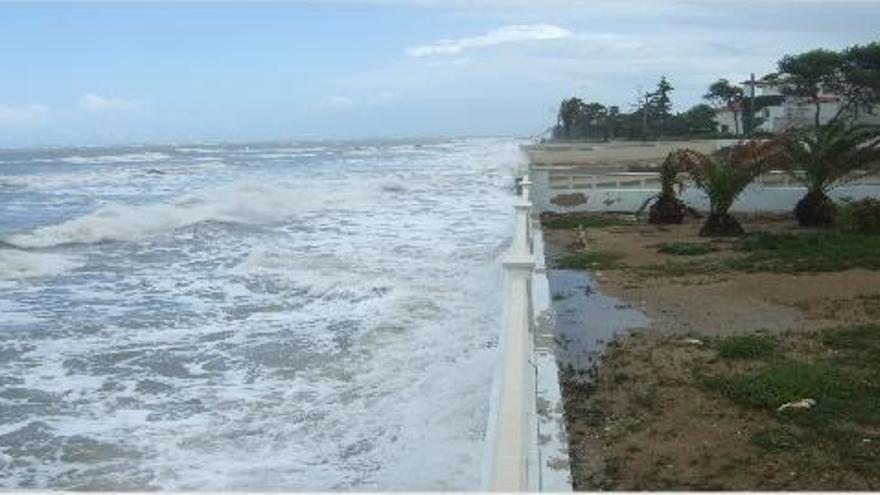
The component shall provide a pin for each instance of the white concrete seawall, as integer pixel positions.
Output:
(527, 449)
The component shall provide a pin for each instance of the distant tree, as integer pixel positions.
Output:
(641, 112)
(612, 122)
(806, 74)
(570, 111)
(859, 81)
(593, 120)
(722, 93)
(699, 119)
(659, 104)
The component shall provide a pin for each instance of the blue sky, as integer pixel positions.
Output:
(124, 72)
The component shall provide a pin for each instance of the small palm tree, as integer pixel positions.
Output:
(667, 207)
(724, 176)
(824, 158)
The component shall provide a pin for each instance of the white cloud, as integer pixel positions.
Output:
(17, 115)
(97, 103)
(503, 35)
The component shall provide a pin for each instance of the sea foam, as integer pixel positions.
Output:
(242, 203)
(15, 264)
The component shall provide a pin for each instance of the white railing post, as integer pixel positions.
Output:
(526, 185)
(512, 439)
(521, 233)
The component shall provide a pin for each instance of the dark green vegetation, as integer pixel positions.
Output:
(666, 207)
(586, 260)
(843, 379)
(747, 346)
(652, 118)
(775, 439)
(852, 74)
(806, 253)
(823, 158)
(724, 176)
(684, 248)
(862, 217)
(576, 221)
(810, 251)
(726, 95)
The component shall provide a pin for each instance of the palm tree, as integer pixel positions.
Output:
(667, 207)
(826, 157)
(724, 176)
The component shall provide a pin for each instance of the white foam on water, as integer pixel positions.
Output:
(242, 203)
(347, 344)
(145, 157)
(64, 178)
(16, 264)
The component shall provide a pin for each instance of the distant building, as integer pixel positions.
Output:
(730, 119)
(776, 112)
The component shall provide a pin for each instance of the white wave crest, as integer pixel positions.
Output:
(22, 264)
(146, 157)
(238, 203)
(103, 178)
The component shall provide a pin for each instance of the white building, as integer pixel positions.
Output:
(787, 113)
(730, 119)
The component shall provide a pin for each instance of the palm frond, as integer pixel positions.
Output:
(832, 154)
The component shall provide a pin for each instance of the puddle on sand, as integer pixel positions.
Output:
(586, 320)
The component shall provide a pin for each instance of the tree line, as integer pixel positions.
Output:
(852, 74)
(651, 118)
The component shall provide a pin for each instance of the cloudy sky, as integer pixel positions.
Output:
(110, 73)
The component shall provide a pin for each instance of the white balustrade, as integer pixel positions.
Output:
(513, 434)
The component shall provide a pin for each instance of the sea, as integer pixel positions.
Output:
(265, 316)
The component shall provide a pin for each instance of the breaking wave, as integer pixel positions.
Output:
(147, 157)
(15, 264)
(238, 204)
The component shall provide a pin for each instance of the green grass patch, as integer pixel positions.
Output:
(845, 386)
(674, 269)
(587, 260)
(572, 222)
(775, 439)
(861, 342)
(753, 346)
(857, 338)
(809, 252)
(682, 248)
